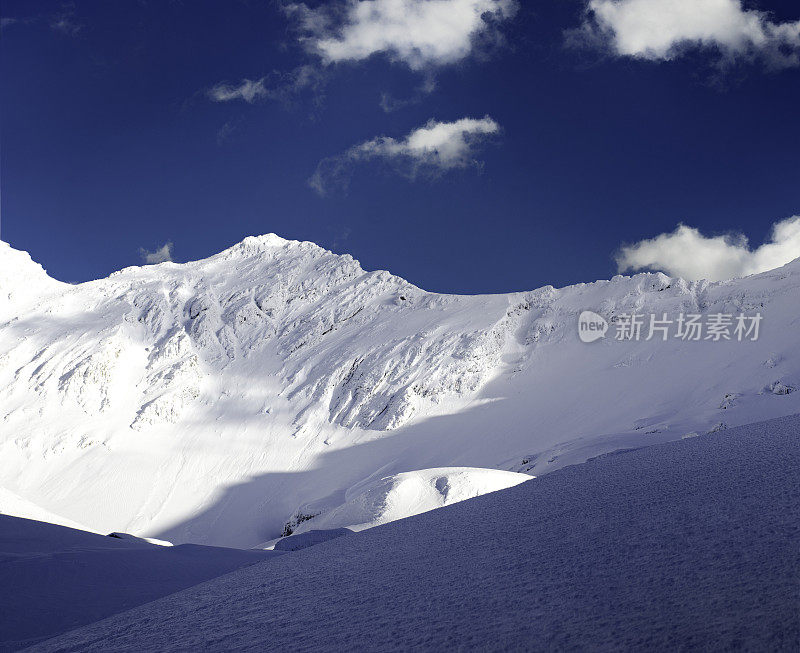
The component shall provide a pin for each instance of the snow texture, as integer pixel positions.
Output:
(54, 579)
(309, 538)
(211, 401)
(149, 540)
(685, 545)
(379, 500)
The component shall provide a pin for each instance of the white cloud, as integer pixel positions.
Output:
(663, 29)
(419, 33)
(160, 255)
(435, 147)
(687, 253)
(422, 34)
(277, 86)
(390, 104)
(247, 90)
(441, 144)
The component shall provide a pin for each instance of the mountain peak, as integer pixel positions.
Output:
(273, 246)
(266, 240)
(253, 245)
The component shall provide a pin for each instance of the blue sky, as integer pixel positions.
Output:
(125, 125)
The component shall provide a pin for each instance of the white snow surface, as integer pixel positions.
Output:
(379, 500)
(15, 506)
(210, 401)
(22, 282)
(309, 538)
(148, 540)
(682, 546)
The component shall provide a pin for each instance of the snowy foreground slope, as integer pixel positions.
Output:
(683, 545)
(216, 401)
(54, 579)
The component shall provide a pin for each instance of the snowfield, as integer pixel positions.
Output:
(54, 579)
(13, 505)
(687, 545)
(379, 500)
(214, 401)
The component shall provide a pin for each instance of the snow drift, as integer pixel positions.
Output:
(210, 401)
(378, 500)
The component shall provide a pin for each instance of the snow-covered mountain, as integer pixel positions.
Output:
(216, 401)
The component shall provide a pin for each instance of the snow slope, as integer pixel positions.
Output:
(687, 545)
(23, 282)
(209, 401)
(53, 579)
(15, 506)
(381, 499)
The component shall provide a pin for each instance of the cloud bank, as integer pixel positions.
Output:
(687, 253)
(160, 255)
(418, 33)
(435, 147)
(664, 29)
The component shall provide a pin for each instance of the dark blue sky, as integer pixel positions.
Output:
(110, 144)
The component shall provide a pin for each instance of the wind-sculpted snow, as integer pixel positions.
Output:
(209, 401)
(382, 499)
(683, 546)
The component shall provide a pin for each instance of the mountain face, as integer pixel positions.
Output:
(214, 401)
